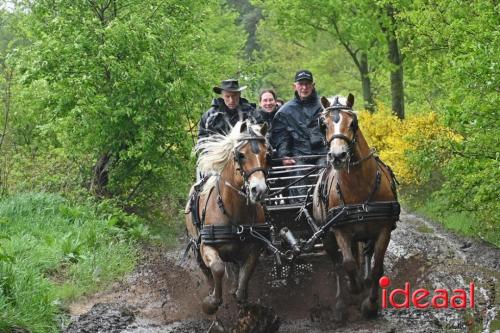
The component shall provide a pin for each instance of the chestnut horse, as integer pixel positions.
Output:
(358, 191)
(224, 218)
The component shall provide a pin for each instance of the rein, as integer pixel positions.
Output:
(372, 153)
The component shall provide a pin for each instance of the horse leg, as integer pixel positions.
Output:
(367, 253)
(246, 271)
(206, 271)
(232, 271)
(332, 249)
(213, 261)
(369, 307)
(344, 242)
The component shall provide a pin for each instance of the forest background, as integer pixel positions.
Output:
(100, 101)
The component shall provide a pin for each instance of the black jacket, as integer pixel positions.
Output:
(295, 129)
(219, 118)
(261, 116)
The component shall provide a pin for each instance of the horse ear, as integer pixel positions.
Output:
(263, 129)
(243, 127)
(325, 102)
(350, 100)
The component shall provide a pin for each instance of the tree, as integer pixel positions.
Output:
(452, 54)
(388, 24)
(126, 80)
(361, 27)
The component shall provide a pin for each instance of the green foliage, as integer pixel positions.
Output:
(293, 36)
(333, 70)
(342, 41)
(52, 251)
(452, 54)
(125, 81)
(465, 223)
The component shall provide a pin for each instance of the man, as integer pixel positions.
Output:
(225, 110)
(295, 130)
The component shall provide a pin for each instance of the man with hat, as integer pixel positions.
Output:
(225, 110)
(295, 130)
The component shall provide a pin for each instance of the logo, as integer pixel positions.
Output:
(422, 298)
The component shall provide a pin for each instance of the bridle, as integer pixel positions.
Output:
(238, 158)
(335, 109)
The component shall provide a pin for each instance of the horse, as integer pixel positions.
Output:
(356, 195)
(224, 216)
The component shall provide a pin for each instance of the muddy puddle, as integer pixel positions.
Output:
(163, 296)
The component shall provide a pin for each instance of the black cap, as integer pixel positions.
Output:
(229, 85)
(303, 74)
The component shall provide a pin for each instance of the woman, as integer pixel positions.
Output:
(268, 107)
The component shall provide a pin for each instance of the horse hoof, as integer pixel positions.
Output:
(211, 304)
(216, 327)
(369, 309)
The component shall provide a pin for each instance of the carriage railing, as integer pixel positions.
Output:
(281, 179)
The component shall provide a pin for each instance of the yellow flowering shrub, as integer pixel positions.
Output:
(404, 145)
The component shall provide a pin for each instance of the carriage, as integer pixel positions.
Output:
(290, 214)
(346, 208)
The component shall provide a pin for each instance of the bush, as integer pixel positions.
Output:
(415, 148)
(441, 172)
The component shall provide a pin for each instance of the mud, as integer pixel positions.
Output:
(163, 296)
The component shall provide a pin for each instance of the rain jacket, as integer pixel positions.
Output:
(295, 129)
(262, 116)
(220, 119)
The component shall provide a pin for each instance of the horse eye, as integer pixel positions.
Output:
(240, 156)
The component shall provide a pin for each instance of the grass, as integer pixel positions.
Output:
(463, 223)
(52, 251)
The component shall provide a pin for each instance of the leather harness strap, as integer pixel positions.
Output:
(366, 212)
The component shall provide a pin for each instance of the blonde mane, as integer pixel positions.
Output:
(217, 150)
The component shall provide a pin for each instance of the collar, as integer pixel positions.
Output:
(311, 99)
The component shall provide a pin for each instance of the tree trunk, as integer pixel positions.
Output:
(7, 98)
(105, 12)
(366, 83)
(361, 65)
(100, 175)
(397, 87)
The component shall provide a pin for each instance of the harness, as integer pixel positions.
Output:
(218, 234)
(221, 234)
(367, 212)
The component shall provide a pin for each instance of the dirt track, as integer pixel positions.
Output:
(162, 296)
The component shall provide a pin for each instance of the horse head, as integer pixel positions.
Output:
(250, 156)
(339, 124)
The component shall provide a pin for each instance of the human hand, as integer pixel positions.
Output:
(288, 161)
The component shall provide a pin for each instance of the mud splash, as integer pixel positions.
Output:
(162, 296)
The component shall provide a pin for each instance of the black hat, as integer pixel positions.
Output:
(229, 85)
(303, 74)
